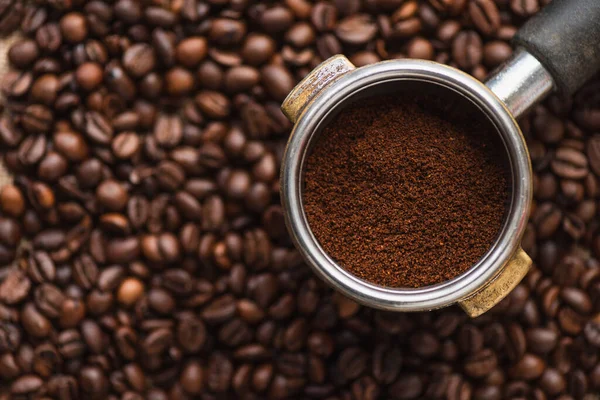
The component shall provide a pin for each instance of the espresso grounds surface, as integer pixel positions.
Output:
(403, 196)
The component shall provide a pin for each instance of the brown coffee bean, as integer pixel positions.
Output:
(356, 29)
(34, 323)
(12, 201)
(593, 153)
(52, 166)
(126, 145)
(277, 81)
(23, 53)
(408, 386)
(467, 49)
(89, 75)
(191, 51)
(524, 8)
(119, 82)
(496, 52)
(45, 89)
(9, 135)
(547, 218)
(112, 195)
(169, 175)
(569, 163)
(15, 287)
(139, 59)
(73, 27)
(37, 119)
(164, 45)
(168, 130)
(420, 48)
(528, 368)
(324, 16)
(130, 291)
(93, 382)
(32, 150)
(213, 104)
(179, 81)
(71, 144)
(257, 49)
(98, 128)
(49, 38)
(485, 16)
(452, 7)
(27, 385)
(481, 364)
(541, 340)
(49, 300)
(386, 364)
(160, 16)
(226, 31)
(552, 381)
(240, 79)
(11, 13)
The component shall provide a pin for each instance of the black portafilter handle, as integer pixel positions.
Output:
(565, 38)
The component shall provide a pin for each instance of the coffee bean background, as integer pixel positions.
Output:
(143, 246)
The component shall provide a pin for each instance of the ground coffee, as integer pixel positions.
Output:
(406, 192)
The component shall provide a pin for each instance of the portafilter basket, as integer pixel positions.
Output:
(558, 50)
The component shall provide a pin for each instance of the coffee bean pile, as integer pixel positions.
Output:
(144, 249)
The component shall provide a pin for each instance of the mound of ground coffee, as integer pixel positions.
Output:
(403, 194)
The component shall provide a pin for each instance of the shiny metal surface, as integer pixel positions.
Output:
(374, 78)
(521, 82)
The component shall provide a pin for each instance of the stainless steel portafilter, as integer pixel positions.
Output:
(558, 50)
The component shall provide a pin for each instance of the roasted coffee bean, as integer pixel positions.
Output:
(481, 364)
(89, 75)
(179, 81)
(97, 128)
(386, 364)
(139, 59)
(324, 16)
(277, 81)
(49, 300)
(191, 51)
(23, 53)
(37, 119)
(467, 49)
(32, 150)
(485, 16)
(73, 27)
(126, 145)
(257, 49)
(34, 323)
(11, 13)
(15, 287)
(17, 84)
(48, 37)
(357, 29)
(112, 195)
(168, 130)
(569, 163)
(119, 82)
(27, 385)
(524, 8)
(52, 166)
(9, 135)
(45, 89)
(529, 367)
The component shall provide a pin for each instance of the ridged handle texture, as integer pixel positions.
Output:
(318, 79)
(565, 38)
